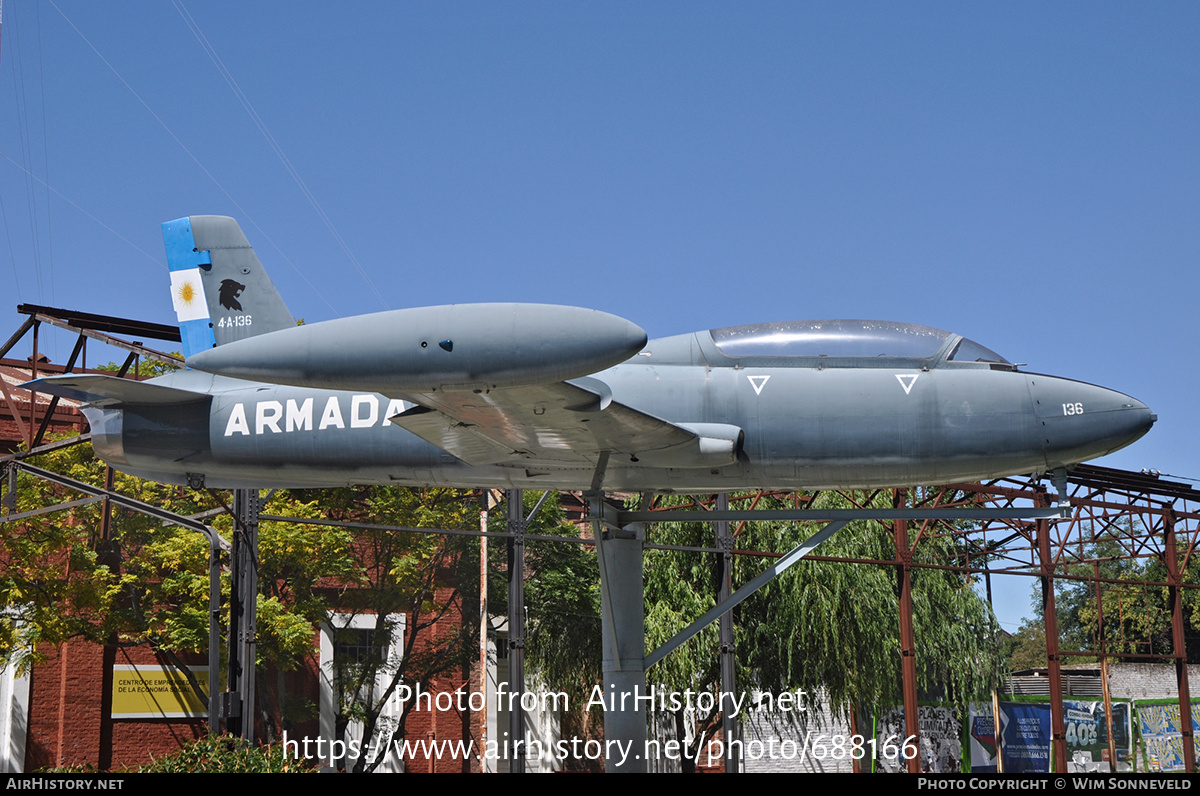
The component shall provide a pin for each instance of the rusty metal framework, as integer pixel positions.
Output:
(85, 325)
(1116, 519)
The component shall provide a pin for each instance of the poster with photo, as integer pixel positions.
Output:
(940, 729)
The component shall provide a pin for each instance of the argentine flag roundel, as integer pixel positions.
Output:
(187, 295)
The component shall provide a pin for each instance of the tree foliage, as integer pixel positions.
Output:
(1027, 647)
(148, 582)
(427, 578)
(828, 628)
(562, 602)
(224, 754)
(62, 579)
(832, 627)
(1122, 613)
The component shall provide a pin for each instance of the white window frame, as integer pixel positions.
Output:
(14, 716)
(328, 712)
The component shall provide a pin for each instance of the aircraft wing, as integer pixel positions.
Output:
(111, 391)
(566, 423)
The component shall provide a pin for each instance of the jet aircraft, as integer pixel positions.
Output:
(537, 396)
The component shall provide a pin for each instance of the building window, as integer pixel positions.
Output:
(352, 647)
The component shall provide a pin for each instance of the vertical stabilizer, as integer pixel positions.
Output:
(219, 289)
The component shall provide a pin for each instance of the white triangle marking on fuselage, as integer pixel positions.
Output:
(907, 380)
(758, 382)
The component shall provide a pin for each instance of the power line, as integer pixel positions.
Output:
(62, 196)
(182, 146)
(194, 27)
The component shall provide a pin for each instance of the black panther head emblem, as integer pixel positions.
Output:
(228, 296)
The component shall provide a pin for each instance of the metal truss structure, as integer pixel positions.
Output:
(1109, 518)
(1011, 527)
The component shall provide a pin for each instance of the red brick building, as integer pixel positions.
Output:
(62, 712)
(69, 712)
(20, 419)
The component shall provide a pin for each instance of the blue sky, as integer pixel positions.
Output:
(1022, 173)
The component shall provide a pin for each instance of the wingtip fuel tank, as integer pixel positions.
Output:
(454, 347)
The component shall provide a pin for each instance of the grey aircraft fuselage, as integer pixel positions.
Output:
(810, 422)
(538, 396)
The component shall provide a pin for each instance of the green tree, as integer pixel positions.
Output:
(1136, 618)
(148, 582)
(63, 579)
(562, 609)
(1026, 649)
(224, 754)
(828, 628)
(145, 368)
(432, 580)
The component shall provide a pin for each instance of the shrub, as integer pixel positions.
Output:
(225, 754)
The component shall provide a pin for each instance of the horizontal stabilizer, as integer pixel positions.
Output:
(111, 391)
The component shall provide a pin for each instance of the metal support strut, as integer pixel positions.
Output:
(243, 613)
(622, 631)
(729, 722)
(516, 628)
(518, 524)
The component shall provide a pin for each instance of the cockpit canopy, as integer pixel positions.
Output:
(849, 339)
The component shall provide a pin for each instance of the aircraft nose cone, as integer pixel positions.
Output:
(1081, 421)
(1136, 418)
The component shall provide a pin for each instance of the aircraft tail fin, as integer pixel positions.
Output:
(219, 289)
